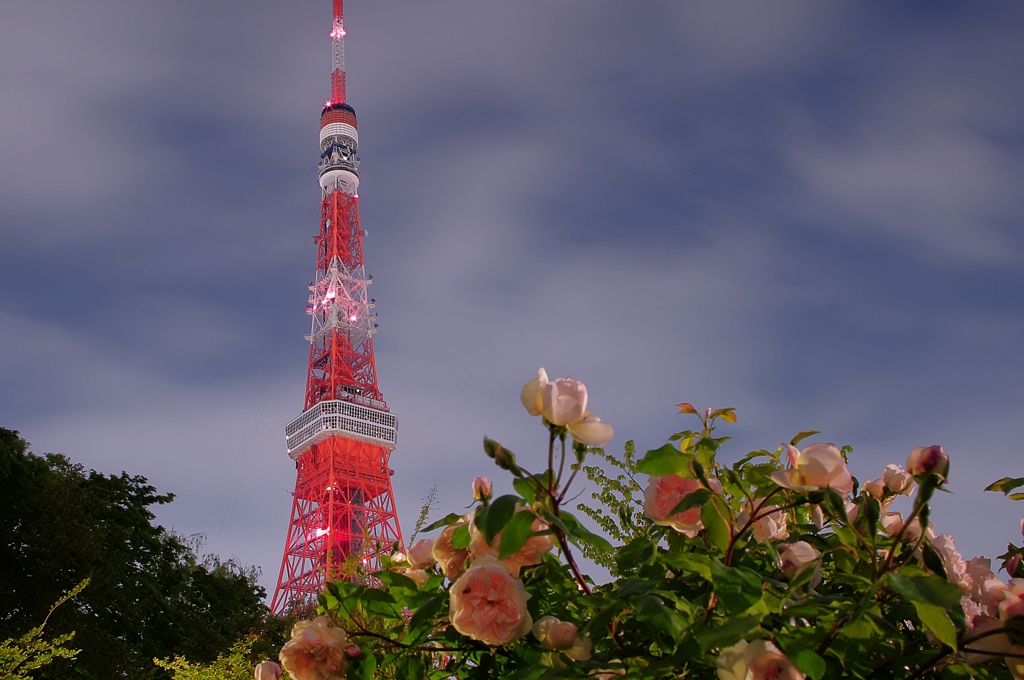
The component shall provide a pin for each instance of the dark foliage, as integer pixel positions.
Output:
(150, 594)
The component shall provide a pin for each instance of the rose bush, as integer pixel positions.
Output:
(779, 564)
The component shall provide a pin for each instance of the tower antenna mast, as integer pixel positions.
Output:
(338, 54)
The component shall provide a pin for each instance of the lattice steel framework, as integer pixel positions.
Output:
(343, 507)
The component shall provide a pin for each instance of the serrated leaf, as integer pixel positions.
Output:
(651, 609)
(800, 436)
(691, 500)
(738, 589)
(580, 532)
(633, 554)
(715, 516)
(493, 517)
(525, 488)
(364, 667)
(925, 588)
(727, 634)
(687, 409)
(665, 461)
(515, 534)
(805, 659)
(689, 563)
(937, 621)
(445, 521)
(396, 580)
(461, 537)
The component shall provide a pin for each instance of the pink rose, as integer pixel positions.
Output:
(421, 553)
(562, 636)
(816, 467)
(991, 646)
(531, 553)
(451, 561)
(926, 460)
(757, 660)
(482, 490)
(875, 488)
(771, 526)
(488, 605)
(663, 494)
(795, 556)
(316, 651)
(564, 402)
(952, 560)
(1013, 602)
(898, 480)
(268, 670)
(418, 575)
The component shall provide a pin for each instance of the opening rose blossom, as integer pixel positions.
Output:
(663, 494)
(488, 605)
(770, 526)
(757, 660)
(316, 650)
(562, 636)
(563, 402)
(816, 467)
(482, 489)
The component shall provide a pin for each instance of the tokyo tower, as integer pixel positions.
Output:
(343, 508)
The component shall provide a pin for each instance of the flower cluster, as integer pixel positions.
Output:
(779, 566)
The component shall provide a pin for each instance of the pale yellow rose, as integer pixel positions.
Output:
(316, 651)
(816, 467)
(757, 660)
(564, 402)
(488, 604)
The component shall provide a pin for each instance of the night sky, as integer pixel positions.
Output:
(810, 211)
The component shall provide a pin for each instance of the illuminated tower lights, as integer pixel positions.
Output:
(343, 507)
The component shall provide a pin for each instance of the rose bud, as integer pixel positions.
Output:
(928, 460)
(482, 489)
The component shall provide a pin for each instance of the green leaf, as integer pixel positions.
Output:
(445, 521)
(727, 634)
(633, 554)
(580, 532)
(937, 621)
(651, 609)
(363, 667)
(426, 611)
(461, 537)
(493, 517)
(738, 589)
(515, 534)
(715, 517)
(800, 436)
(691, 500)
(689, 563)
(396, 580)
(525, 488)
(919, 587)
(805, 659)
(1006, 485)
(667, 460)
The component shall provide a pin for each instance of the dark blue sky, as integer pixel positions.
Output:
(810, 211)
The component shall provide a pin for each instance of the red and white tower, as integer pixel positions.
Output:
(343, 507)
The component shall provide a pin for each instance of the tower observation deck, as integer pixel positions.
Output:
(343, 507)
